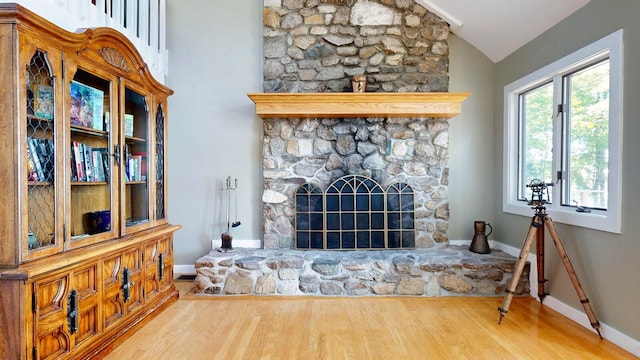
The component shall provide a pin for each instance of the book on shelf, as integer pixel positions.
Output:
(87, 106)
(33, 149)
(46, 155)
(43, 101)
(78, 161)
(142, 156)
(98, 157)
(128, 124)
(32, 173)
(105, 163)
(133, 165)
(88, 163)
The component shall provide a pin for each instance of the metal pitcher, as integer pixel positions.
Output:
(480, 244)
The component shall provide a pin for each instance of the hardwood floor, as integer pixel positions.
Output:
(361, 328)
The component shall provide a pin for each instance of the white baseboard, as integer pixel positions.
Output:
(624, 341)
(241, 243)
(184, 269)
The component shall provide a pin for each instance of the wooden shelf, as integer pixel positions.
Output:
(334, 105)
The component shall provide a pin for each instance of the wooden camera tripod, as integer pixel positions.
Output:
(538, 223)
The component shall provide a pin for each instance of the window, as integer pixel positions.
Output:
(563, 127)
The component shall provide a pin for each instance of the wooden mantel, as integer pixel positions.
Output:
(332, 105)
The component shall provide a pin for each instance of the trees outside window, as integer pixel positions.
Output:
(563, 127)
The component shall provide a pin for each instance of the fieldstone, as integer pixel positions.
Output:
(287, 287)
(335, 72)
(273, 197)
(355, 287)
(237, 284)
(287, 274)
(403, 264)
(317, 19)
(309, 284)
(322, 147)
(293, 262)
(339, 40)
(249, 262)
(318, 51)
(326, 266)
(345, 145)
(334, 162)
(330, 288)
(410, 286)
(291, 21)
(275, 48)
(356, 263)
(266, 284)
(304, 42)
(455, 284)
(393, 45)
(293, 4)
(374, 161)
(371, 14)
(412, 20)
(270, 18)
(383, 288)
(201, 283)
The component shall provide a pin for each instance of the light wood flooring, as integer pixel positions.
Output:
(252, 327)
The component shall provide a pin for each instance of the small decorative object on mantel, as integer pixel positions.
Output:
(358, 83)
(226, 236)
(479, 244)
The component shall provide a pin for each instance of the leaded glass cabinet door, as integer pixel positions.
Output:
(40, 230)
(136, 140)
(160, 165)
(91, 165)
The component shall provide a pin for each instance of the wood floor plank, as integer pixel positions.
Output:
(362, 328)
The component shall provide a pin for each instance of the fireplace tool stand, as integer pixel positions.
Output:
(538, 223)
(226, 236)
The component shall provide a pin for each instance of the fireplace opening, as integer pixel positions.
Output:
(355, 213)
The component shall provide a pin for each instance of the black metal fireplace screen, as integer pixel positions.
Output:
(355, 213)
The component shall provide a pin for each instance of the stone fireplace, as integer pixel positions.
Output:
(316, 46)
(316, 131)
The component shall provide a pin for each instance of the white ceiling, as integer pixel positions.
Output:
(499, 27)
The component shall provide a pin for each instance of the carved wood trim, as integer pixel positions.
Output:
(113, 57)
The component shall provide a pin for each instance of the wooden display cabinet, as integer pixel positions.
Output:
(86, 252)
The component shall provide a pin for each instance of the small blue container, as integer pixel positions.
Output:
(99, 221)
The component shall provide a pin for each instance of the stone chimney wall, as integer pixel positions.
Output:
(316, 46)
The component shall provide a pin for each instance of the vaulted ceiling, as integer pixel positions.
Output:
(499, 27)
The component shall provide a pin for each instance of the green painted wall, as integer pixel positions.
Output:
(606, 263)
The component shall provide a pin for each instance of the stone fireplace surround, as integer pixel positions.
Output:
(314, 46)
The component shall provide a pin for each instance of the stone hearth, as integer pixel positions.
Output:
(452, 271)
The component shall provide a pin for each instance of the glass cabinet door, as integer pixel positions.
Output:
(136, 130)
(90, 159)
(39, 145)
(160, 176)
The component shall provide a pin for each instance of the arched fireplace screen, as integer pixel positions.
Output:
(355, 213)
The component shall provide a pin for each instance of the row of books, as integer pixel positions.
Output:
(89, 164)
(40, 159)
(136, 167)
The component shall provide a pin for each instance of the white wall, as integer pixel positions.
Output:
(215, 59)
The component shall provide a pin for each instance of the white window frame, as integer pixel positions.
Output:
(606, 220)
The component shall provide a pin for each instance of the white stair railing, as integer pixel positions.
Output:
(143, 22)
